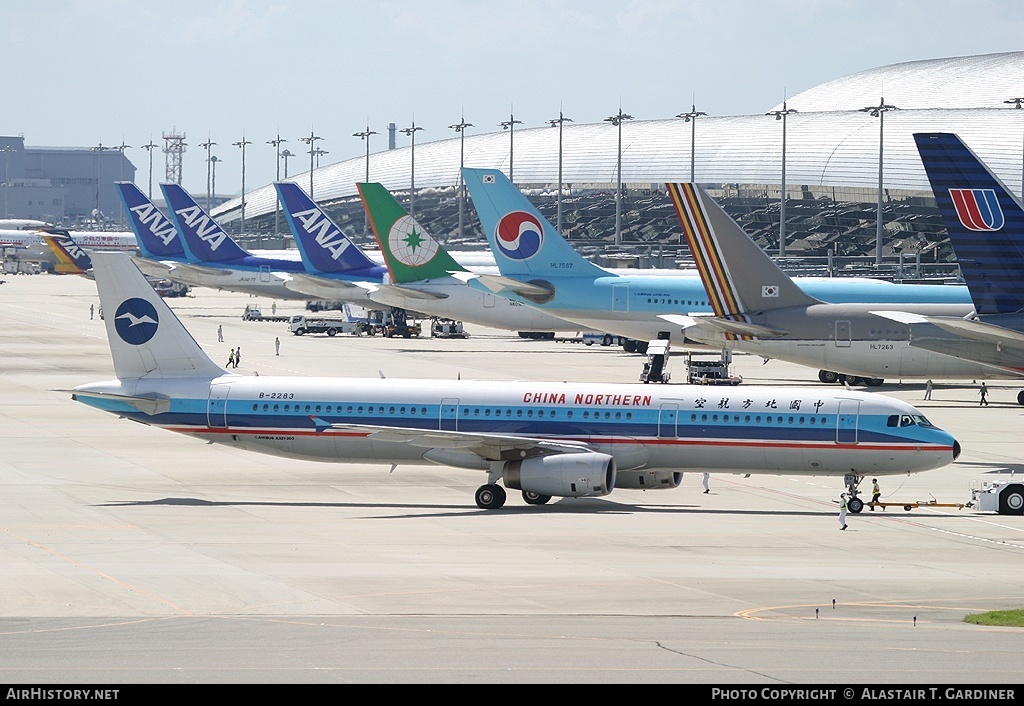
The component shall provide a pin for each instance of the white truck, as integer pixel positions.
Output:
(301, 325)
(1005, 497)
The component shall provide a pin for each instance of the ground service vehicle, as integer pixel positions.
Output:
(1005, 497)
(301, 325)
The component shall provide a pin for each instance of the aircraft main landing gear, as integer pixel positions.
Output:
(490, 496)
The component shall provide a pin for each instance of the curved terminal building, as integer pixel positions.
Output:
(835, 135)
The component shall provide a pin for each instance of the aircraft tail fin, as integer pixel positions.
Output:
(146, 339)
(155, 233)
(322, 244)
(410, 253)
(71, 258)
(738, 275)
(203, 238)
(985, 222)
(525, 244)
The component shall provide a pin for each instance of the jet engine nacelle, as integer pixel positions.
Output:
(648, 480)
(563, 475)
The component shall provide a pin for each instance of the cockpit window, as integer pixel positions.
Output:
(922, 421)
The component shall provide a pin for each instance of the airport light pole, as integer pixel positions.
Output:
(781, 115)
(99, 149)
(285, 155)
(149, 148)
(276, 143)
(1016, 102)
(691, 118)
(7, 149)
(213, 164)
(319, 152)
(411, 132)
(617, 121)
(121, 148)
(553, 123)
(207, 145)
(879, 111)
(460, 128)
(311, 141)
(365, 135)
(241, 144)
(510, 125)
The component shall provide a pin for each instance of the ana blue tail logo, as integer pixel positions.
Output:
(136, 321)
(519, 235)
(978, 209)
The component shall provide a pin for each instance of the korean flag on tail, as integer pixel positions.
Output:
(769, 291)
(488, 179)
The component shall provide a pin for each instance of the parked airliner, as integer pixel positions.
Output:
(985, 222)
(540, 268)
(543, 438)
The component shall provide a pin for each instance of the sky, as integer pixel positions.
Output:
(85, 72)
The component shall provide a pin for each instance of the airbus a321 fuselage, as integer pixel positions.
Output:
(543, 438)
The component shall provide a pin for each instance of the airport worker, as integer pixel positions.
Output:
(238, 356)
(928, 390)
(231, 358)
(277, 345)
(842, 511)
(983, 391)
(876, 492)
(704, 481)
(220, 334)
(273, 309)
(92, 311)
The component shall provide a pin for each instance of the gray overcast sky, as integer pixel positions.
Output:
(81, 72)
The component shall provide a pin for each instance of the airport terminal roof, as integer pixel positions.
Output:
(831, 140)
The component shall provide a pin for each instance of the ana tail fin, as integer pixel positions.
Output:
(71, 258)
(409, 252)
(202, 236)
(984, 220)
(322, 244)
(146, 338)
(156, 234)
(523, 241)
(737, 274)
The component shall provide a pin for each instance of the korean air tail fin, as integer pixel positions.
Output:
(525, 244)
(985, 222)
(410, 254)
(146, 339)
(71, 258)
(322, 244)
(156, 234)
(738, 275)
(203, 238)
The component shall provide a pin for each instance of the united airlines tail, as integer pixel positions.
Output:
(525, 244)
(984, 220)
(203, 238)
(71, 258)
(156, 234)
(410, 254)
(146, 339)
(738, 275)
(321, 243)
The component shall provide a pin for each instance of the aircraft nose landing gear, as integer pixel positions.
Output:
(854, 504)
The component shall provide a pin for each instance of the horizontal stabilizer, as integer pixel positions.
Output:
(740, 328)
(412, 292)
(980, 330)
(148, 404)
(903, 317)
(499, 284)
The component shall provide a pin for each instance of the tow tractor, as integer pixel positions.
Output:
(1005, 497)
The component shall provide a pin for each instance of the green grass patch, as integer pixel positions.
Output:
(999, 618)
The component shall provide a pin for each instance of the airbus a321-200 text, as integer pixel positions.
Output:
(543, 438)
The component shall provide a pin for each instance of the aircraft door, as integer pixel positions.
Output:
(217, 406)
(667, 415)
(264, 273)
(488, 300)
(843, 334)
(620, 297)
(449, 420)
(846, 421)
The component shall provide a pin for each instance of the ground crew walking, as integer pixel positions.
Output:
(928, 390)
(983, 391)
(231, 358)
(705, 483)
(277, 346)
(842, 511)
(876, 493)
(220, 334)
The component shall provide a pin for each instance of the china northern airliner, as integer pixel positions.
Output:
(546, 439)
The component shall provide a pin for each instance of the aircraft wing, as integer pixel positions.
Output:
(492, 447)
